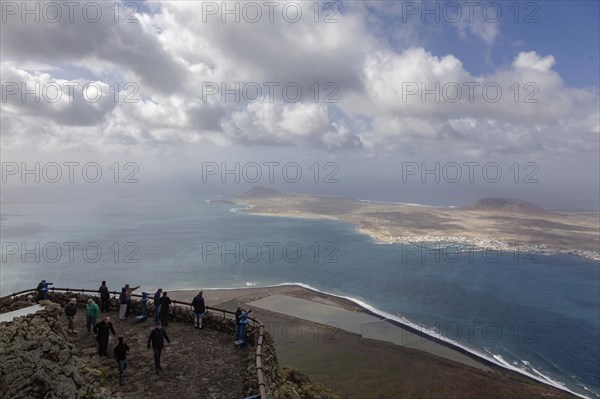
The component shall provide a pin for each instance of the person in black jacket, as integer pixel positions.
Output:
(71, 311)
(104, 297)
(199, 309)
(165, 301)
(102, 331)
(157, 339)
(120, 354)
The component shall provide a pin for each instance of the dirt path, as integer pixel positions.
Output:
(196, 364)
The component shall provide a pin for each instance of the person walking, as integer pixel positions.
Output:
(165, 301)
(199, 309)
(120, 355)
(102, 331)
(71, 311)
(157, 304)
(104, 297)
(157, 339)
(122, 303)
(91, 313)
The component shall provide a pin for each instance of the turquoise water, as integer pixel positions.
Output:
(533, 313)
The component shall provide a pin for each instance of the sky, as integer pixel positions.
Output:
(439, 103)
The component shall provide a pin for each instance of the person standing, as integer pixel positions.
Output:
(199, 309)
(157, 339)
(102, 331)
(128, 292)
(144, 303)
(104, 297)
(241, 332)
(71, 311)
(165, 301)
(91, 313)
(157, 304)
(238, 313)
(120, 354)
(122, 303)
(42, 290)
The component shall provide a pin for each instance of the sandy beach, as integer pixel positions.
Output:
(415, 366)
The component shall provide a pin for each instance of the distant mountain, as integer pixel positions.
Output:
(259, 193)
(506, 205)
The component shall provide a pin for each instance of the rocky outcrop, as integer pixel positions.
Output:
(39, 360)
(283, 382)
(36, 358)
(298, 385)
(9, 303)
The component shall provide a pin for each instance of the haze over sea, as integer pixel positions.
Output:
(537, 314)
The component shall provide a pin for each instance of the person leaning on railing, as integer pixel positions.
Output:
(42, 290)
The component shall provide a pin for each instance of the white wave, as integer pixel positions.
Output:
(406, 203)
(489, 356)
(397, 203)
(496, 359)
(589, 390)
(547, 378)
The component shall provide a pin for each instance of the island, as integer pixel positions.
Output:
(498, 224)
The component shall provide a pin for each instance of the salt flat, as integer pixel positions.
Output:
(360, 323)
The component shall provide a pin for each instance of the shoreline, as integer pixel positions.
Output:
(349, 303)
(476, 244)
(499, 373)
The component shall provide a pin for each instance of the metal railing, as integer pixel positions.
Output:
(259, 342)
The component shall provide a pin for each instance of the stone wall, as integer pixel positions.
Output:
(36, 358)
(283, 382)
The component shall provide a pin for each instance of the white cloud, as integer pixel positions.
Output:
(533, 60)
(171, 56)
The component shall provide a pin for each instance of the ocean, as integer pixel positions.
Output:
(536, 314)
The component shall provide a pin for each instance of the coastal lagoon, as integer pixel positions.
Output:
(537, 314)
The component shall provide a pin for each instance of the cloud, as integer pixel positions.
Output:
(533, 60)
(103, 46)
(386, 94)
(65, 102)
(479, 27)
